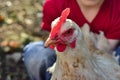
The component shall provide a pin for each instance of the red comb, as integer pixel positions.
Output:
(64, 14)
(62, 19)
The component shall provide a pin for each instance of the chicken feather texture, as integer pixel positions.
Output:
(89, 60)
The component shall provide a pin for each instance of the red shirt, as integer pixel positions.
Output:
(107, 19)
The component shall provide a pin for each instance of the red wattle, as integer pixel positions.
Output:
(61, 47)
(52, 46)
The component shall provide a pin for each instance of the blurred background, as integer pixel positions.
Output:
(19, 25)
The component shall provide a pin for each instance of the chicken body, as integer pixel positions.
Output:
(79, 62)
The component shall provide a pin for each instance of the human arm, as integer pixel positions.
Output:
(113, 44)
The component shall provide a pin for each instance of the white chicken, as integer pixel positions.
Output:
(75, 59)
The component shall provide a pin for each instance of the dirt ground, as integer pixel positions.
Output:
(19, 24)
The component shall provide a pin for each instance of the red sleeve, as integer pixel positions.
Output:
(50, 12)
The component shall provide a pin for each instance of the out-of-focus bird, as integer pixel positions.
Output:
(77, 59)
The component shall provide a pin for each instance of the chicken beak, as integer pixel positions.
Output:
(48, 42)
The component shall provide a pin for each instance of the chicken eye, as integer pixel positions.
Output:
(69, 31)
